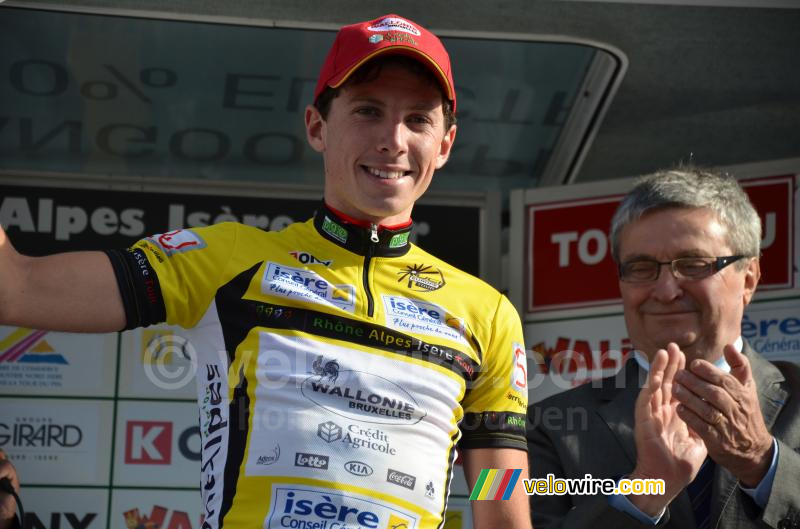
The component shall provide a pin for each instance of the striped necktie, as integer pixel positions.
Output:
(699, 492)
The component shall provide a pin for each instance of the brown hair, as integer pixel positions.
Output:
(372, 70)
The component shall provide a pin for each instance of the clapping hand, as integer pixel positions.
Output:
(723, 409)
(666, 448)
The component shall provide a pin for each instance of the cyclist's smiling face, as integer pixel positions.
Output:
(701, 316)
(382, 141)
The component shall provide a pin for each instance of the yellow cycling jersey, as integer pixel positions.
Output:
(338, 367)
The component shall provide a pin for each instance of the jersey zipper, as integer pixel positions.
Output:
(374, 239)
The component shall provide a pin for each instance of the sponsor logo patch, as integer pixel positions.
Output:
(308, 259)
(401, 239)
(316, 507)
(519, 377)
(396, 522)
(308, 286)
(401, 479)
(214, 426)
(430, 492)
(394, 36)
(333, 229)
(421, 317)
(357, 468)
(329, 432)
(357, 437)
(271, 457)
(514, 397)
(177, 241)
(421, 278)
(359, 395)
(302, 459)
(395, 24)
(516, 422)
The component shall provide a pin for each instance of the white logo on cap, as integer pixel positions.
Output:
(395, 24)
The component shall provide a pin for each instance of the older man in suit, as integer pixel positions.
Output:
(713, 419)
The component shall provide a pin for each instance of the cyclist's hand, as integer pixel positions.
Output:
(8, 507)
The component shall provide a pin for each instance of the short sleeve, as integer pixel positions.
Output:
(496, 402)
(179, 270)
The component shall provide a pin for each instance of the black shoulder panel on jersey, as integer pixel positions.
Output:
(235, 313)
(139, 288)
(493, 429)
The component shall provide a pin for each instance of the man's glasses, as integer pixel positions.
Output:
(691, 268)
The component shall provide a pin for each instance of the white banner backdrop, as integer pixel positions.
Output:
(53, 442)
(65, 509)
(34, 362)
(162, 509)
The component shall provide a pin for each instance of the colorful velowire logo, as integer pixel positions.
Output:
(27, 346)
(495, 484)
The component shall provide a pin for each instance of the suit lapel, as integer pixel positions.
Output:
(771, 398)
(771, 393)
(617, 411)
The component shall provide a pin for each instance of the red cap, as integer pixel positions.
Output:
(358, 43)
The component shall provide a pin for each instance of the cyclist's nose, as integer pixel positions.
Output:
(392, 138)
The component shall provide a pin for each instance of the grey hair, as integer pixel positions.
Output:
(692, 187)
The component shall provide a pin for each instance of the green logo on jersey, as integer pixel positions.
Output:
(399, 240)
(334, 230)
(519, 422)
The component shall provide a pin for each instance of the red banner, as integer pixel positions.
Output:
(568, 255)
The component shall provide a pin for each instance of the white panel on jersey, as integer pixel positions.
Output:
(212, 397)
(331, 413)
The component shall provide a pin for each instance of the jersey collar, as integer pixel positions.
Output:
(356, 235)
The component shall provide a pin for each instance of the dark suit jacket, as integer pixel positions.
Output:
(589, 430)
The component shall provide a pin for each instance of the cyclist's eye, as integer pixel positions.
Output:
(692, 267)
(366, 111)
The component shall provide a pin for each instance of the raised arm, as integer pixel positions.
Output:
(75, 291)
